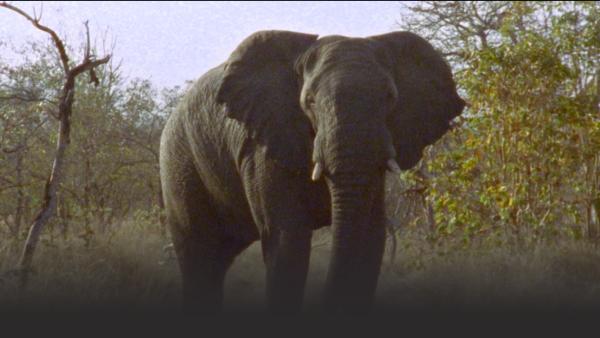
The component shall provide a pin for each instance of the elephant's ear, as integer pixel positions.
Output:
(427, 98)
(261, 89)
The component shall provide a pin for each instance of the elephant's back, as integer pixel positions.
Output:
(196, 115)
(210, 133)
(214, 143)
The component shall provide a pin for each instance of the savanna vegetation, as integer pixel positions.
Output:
(505, 208)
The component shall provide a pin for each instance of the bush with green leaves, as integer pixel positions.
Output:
(522, 165)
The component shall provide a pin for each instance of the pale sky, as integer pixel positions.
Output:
(170, 42)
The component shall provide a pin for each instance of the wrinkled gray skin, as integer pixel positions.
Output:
(236, 158)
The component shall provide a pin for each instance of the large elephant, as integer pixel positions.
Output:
(290, 134)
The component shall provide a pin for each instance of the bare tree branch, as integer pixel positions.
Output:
(36, 22)
(65, 107)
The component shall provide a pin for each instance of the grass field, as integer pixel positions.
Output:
(130, 268)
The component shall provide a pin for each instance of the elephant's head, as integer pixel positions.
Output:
(342, 108)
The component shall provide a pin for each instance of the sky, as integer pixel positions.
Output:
(171, 42)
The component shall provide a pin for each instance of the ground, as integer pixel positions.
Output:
(132, 269)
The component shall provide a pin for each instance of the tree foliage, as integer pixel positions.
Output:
(113, 158)
(522, 164)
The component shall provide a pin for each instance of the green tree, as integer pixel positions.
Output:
(27, 119)
(523, 163)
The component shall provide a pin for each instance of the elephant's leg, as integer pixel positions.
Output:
(203, 252)
(286, 256)
(279, 204)
(204, 263)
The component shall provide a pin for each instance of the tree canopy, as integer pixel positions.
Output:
(522, 163)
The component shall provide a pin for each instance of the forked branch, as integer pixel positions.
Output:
(65, 106)
(64, 58)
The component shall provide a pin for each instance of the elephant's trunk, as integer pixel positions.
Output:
(356, 184)
(358, 241)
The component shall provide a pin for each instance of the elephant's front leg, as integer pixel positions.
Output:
(286, 255)
(278, 200)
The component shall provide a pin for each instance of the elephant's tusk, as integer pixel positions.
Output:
(317, 171)
(393, 166)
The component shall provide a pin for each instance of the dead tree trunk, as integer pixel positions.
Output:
(64, 116)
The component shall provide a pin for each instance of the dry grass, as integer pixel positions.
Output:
(125, 267)
(131, 269)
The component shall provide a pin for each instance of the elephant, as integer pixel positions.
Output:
(294, 132)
